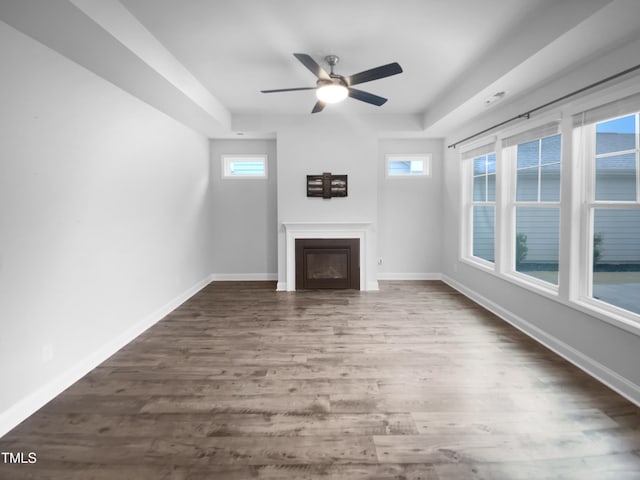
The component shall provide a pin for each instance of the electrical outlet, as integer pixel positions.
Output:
(47, 353)
(455, 268)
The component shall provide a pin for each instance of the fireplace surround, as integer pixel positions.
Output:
(363, 231)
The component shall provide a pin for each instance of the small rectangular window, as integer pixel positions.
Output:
(411, 165)
(244, 166)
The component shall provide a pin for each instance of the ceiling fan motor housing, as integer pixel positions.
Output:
(335, 80)
(332, 60)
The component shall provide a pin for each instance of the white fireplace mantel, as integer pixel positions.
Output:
(360, 230)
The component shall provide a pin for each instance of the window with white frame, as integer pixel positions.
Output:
(479, 165)
(483, 211)
(611, 151)
(244, 166)
(511, 216)
(536, 157)
(408, 165)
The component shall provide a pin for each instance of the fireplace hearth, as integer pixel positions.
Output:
(327, 263)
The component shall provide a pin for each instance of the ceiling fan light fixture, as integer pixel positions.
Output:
(333, 88)
(331, 93)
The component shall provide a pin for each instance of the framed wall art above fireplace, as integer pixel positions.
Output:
(326, 185)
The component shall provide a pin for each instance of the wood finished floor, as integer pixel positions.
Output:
(412, 382)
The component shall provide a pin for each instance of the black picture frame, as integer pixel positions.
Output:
(327, 185)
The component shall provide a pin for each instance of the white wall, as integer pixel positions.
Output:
(329, 143)
(104, 215)
(606, 351)
(409, 214)
(244, 217)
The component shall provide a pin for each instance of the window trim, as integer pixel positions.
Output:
(427, 167)
(470, 163)
(227, 158)
(514, 203)
(585, 140)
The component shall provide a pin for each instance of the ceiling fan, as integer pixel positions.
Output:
(332, 88)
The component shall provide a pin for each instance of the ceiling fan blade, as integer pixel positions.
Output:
(318, 107)
(288, 89)
(374, 74)
(312, 65)
(366, 97)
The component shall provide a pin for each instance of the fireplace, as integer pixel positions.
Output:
(364, 257)
(327, 263)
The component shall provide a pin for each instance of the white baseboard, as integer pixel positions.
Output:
(244, 277)
(613, 380)
(410, 276)
(37, 399)
(373, 286)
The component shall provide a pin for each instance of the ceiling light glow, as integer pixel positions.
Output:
(331, 93)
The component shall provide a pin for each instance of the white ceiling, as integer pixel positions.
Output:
(238, 48)
(205, 61)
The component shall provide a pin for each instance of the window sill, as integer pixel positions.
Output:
(613, 316)
(477, 262)
(531, 283)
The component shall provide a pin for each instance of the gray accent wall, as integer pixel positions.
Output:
(244, 216)
(409, 213)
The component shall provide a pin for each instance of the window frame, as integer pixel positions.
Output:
(586, 143)
(511, 157)
(226, 159)
(577, 182)
(425, 157)
(481, 203)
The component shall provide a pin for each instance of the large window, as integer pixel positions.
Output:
(520, 194)
(483, 212)
(536, 236)
(614, 212)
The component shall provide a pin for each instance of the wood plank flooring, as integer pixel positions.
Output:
(412, 382)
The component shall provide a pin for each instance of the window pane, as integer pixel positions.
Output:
(616, 135)
(407, 165)
(550, 183)
(399, 168)
(491, 163)
(247, 168)
(616, 257)
(480, 189)
(239, 166)
(480, 165)
(616, 177)
(491, 188)
(483, 232)
(528, 154)
(416, 166)
(550, 150)
(537, 242)
(527, 186)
